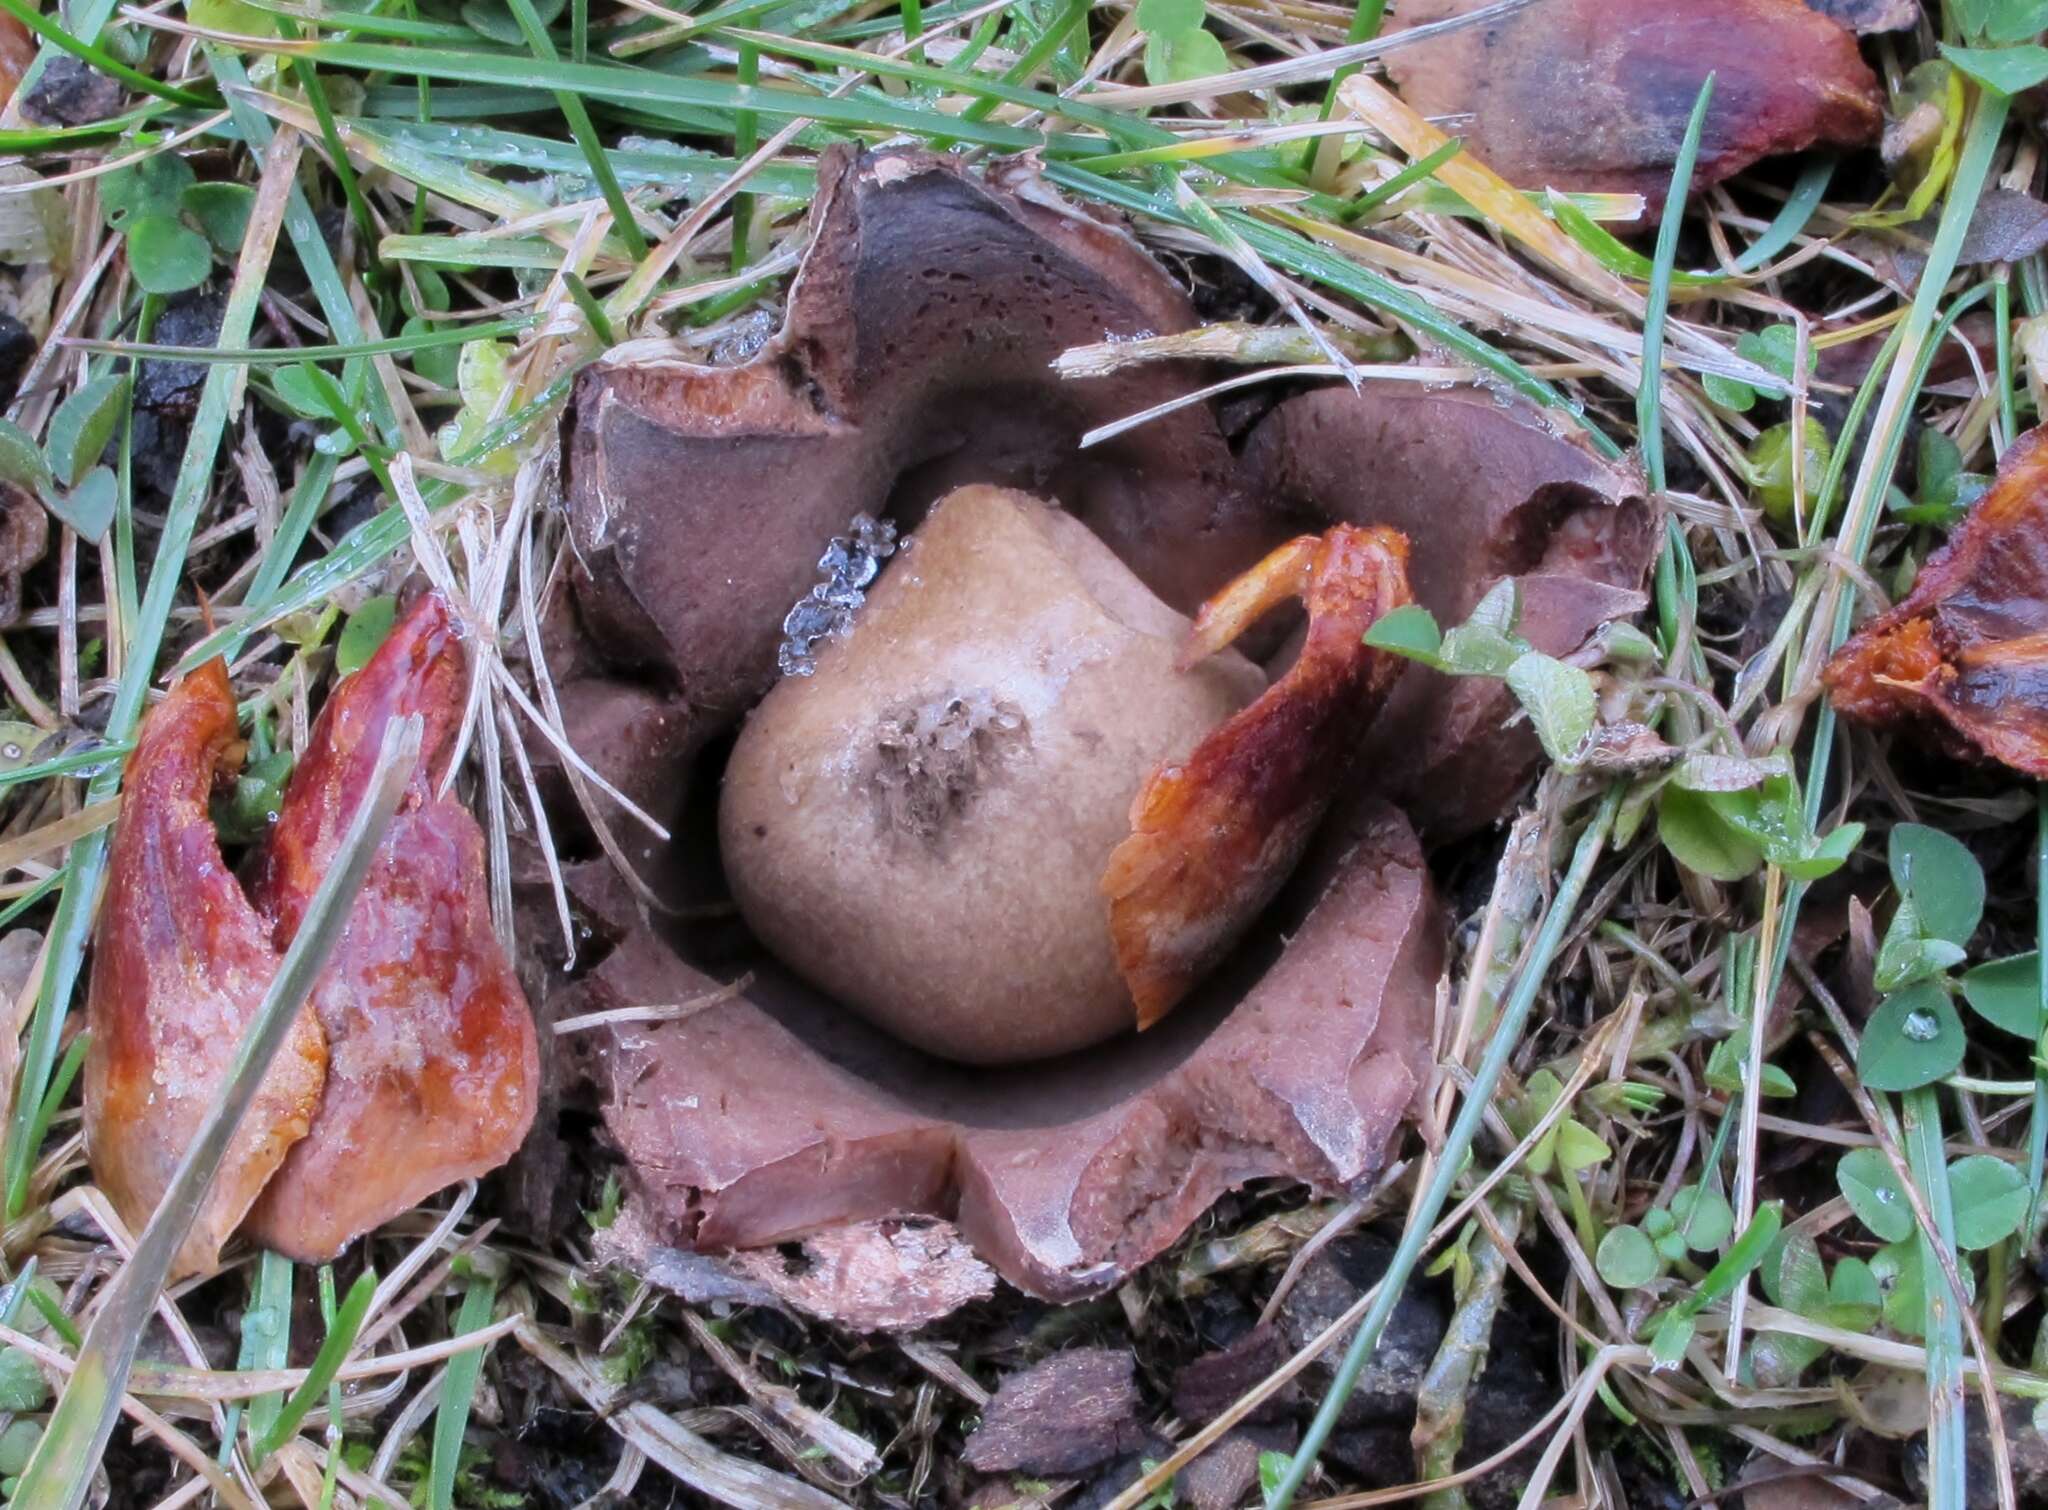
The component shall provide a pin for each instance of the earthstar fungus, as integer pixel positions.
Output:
(414, 1063)
(751, 1106)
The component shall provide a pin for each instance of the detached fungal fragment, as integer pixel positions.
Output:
(1965, 657)
(413, 1065)
(1214, 836)
(1594, 94)
(180, 964)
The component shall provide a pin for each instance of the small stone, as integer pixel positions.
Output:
(69, 92)
(1212, 1383)
(1074, 1411)
(1330, 1285)
(17, 350)
(171, 389)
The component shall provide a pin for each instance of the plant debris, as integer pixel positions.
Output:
(1593, 95)
(1964, 657)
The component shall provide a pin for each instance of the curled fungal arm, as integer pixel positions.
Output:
(1965, 655)
(1214, 836)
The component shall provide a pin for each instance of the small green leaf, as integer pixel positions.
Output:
(89, 507)
(246, 811)
(1559, 699)
(221, 211)
(1914, 1038)
(297, 389)
(1901, 1281)
(1703, 1218)
(153, 186)
(1171, 15)
(235, 17)
(82, 426)
(1795, 1278)
(1770, 464)
(21, 459)
(1990, 1199)
(1865, 1178)
(167, 256)
(1409, 631)
(1500, 609)
(1775, 348)
(1625, 642)
(1273, 1468)
(2007, 994)
(1854, 1285)
(1729, 393)
(22, 1386)
(1626, 1259)
(366, 630)
(1908, 954)
(1826, 856)
(438, 364)
(2002, 70)
(1480, 650)
(1177, 57)
(1701, 840)
(1943, 879)
(1671, 1338)
(19, 743)
(1579, 1147)
(17, 1444)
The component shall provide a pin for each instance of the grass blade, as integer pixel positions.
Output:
(458, 1386)
(61, 1471)
(1472, 1108)
(334, 1350)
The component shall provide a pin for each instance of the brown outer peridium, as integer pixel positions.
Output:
(1066, 1174)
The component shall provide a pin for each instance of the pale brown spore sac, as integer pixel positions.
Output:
(181, 962)
(1965, 657)
(919, 826)
(1214, 836)
(915, 357)
(1594, 94)
(414, 1063)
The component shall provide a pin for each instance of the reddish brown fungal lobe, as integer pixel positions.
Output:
(180, 964)
(1594, 95)
(413, 1065)
(1965, 656)
(1214, 836)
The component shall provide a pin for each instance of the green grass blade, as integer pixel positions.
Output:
(458, 1387)
(583, 131)
(1650, 391)
(266, 1343)
(1450, 1162)
(641, 86)
(1798, 209)
(60, 1473)
(1928, 1160)
(334, 1351)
